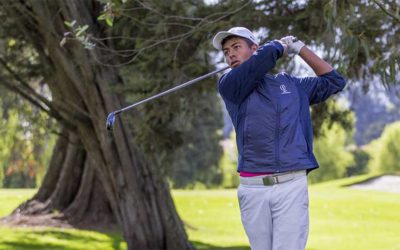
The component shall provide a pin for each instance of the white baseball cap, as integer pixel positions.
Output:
(235, 31)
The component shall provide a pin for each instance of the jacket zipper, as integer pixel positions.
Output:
(278, 124)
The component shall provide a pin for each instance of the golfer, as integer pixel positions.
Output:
(271, 116)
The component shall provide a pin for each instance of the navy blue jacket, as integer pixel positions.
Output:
(271, 113)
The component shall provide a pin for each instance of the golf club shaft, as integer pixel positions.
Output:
(171, 90)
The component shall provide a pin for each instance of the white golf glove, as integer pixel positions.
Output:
(294, 45)
(284, 45)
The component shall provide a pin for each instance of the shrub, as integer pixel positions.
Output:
(385, 151)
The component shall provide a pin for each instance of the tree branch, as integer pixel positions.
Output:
(24, 84)
(25, 95)
(389, 13)
(203, 24)
(27, 92)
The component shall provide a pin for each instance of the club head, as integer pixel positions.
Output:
(110, 120)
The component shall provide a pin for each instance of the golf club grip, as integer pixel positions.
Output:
(173, 89)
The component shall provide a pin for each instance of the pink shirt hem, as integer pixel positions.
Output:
(248, 174)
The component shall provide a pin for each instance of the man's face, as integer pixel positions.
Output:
(237, 51)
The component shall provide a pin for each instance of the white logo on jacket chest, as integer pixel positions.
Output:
(284, 90)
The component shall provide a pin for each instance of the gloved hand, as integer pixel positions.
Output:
(294, 45)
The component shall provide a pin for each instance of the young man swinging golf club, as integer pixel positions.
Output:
(272, 121)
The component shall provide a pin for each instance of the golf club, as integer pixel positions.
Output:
(111, 116)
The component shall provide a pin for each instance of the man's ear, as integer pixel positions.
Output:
(254, 47)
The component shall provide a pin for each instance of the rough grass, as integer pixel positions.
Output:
(341, 219)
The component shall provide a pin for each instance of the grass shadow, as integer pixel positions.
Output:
(58, 240)
(204, 246)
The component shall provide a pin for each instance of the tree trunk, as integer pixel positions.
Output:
(93, 172)
(72, 187)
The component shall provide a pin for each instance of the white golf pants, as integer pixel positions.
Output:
(275, 217)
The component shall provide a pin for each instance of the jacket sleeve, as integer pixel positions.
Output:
(321, 87)
(237, 84)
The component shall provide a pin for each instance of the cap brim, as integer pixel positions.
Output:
(219, 37)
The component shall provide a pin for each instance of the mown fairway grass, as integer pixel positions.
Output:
(48, 238)
(341, 219)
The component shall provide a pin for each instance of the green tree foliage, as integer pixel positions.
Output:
(156, 44)
(26, 131)
(331, 153)
(25, 146)
(360, 166)
(385, 151)
(228, 162)
(8, 129)
(178, 132)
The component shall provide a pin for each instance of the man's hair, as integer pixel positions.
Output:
(248, 41)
